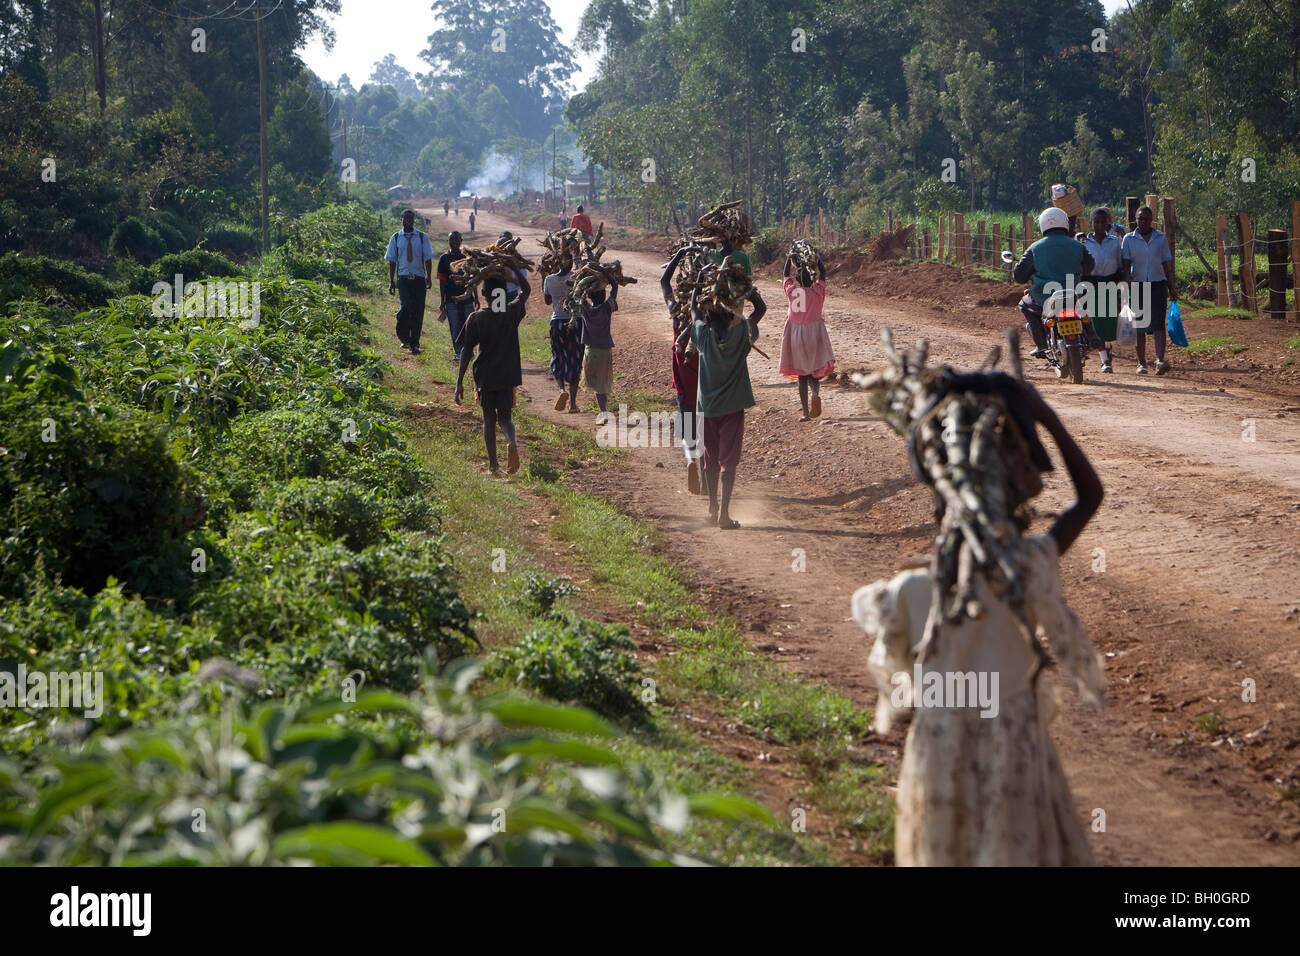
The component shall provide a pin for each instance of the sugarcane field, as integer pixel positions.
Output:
(674, 433)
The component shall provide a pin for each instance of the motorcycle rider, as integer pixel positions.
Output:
(1054, 258)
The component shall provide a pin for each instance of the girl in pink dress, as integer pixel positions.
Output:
(806, 352)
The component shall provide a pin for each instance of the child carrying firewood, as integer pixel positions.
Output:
(806, 352)
(598, 362)
(722, 336)
(494, 331)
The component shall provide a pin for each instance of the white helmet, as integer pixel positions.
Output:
(1053, 218)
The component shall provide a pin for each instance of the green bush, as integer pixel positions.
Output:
(767, 246)
(90, 493)
(574, 659)
(134, 238)
(310, 609)
(39, 276)
(195, 264)
(177, 232)
(235, 242)
(499, 782)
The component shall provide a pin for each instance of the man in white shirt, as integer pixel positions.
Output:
(410, 272)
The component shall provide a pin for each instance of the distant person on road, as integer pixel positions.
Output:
(1107, 263)
(476, 203)
(566, 337)
(582, 222)
(453, 312)
(686, 376)
(455, 206)
(471, 223)
(597, 338)
(564, 219)
(492, 206)
(410, 272)
(446, 208)
(806, 352)
(494, 331)
(723, 340)
(1149, 262)
(1057, 257)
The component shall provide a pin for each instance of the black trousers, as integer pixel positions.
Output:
(410, 317)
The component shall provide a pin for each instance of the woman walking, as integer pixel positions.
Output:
(566, 338)
(806, 352)
(1104, 247)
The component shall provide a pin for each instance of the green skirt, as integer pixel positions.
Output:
(598, 369)
(1105, 319)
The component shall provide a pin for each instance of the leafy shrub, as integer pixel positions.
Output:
(305, 266)
(767, 246)
(309, 610)
(134, 238)
(288, 785)
(235, 242)
(195, 264)
(39, 276)
(89, 493)
(574, 659)
(177, 232)
(543, 590)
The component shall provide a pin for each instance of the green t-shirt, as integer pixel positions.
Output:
(738, 257)
(724, 370)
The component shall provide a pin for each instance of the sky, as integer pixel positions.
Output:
(368, 30)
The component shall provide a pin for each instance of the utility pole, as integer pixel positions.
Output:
(261, 122)
(101, 82)
(555, 173)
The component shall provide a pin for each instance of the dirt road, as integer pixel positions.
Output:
(1188, 578)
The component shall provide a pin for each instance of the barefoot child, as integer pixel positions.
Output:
(566, 339)
(806, 352)
(722, 338)
(599, 360)
(686, 370)
(494, 331)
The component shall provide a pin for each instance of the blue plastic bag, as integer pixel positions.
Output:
(1177, 334)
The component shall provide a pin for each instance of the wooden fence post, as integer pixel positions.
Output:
(940, 238)
(1221, 279)
(996, 251)
(1027, 223)
(1171, 226)
(1131, 211)
(961, 239)
(1247, 239)
(1011, 238)
(1277, 245)
(1295, 255)
(925, 243)
(980, 247)
(1153, 201)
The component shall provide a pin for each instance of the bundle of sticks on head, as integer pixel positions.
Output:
(571, 247)
(490, 263)
(971, 438)
(803, 256)
(724, 224)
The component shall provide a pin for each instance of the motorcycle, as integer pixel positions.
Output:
(1069, 331)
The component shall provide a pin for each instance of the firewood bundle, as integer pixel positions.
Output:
(570, 246)
(972, 440)
(721, 286)
(721, 225)
(589, 273)
(476, 265)
(803, 255)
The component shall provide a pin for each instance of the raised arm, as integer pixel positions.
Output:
(666, 280)
(1087, 486)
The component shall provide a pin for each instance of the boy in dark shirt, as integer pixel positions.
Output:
(494, 331)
